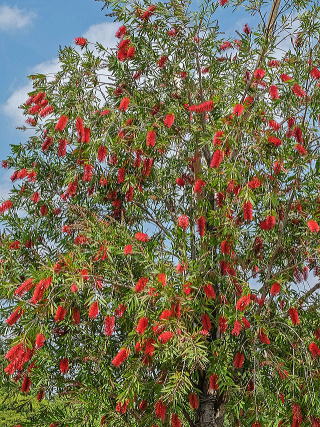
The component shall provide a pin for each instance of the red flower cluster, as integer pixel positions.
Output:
(81, 41)
(18, 356)
(121, 357)
(126, 50)
(203, 107)
(183, 221)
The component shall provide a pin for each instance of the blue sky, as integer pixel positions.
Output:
(31, 32)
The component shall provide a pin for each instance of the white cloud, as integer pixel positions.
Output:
(19, 96)
(13, 18)
(103, 33)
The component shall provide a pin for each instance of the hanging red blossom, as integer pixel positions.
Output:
(243, 302)
(206, 322)
(160, 410)
(259, 73)
(193, 400)
(93, 310)
(40, 340)
(175, 421)
(297, 90)
(238, 109)
(121, 31)
(109, 324)
(64, 365)
(217, 159)
(60, 314)
(162, 278)
(124, 104)
(274, 92)
(183, 221)
(127, 250)
(203, 107)
(238, 360)
(268, 223)
(26, 385)
(151, 138)
(141, 284)
(274, 140)
(121, 357)
(142, 325)
(275, 288)
(6, 206)
(169, 120)
(24, 287)
(81, 41)
(294, 315)
(263, 337)
(313, 226)
(142, 237)
(209, 291)
(165, 336)
(62, 123)
(213, 383)
(14, 316)
(237, 327)
(162, 61)
(201, 224)
(314, 350)
(223, 324)
(247, 211)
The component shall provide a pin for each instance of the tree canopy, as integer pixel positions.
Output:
(160, 250)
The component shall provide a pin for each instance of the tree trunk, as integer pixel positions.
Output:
(210, 412)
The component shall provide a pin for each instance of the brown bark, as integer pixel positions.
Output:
(211, 411)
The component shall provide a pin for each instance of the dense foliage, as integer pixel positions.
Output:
(160, 252)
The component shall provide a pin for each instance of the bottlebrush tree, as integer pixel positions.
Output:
(160, 252)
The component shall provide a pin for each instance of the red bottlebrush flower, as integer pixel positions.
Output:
(109, 325)
(79, 127)
(6, 206)
(268, 223)
(94, 310)
(62, 147)
(201, 224)
(238, 360)
(245, 323)
(162, 61)
(151, 138)
(166, 314)
(143, 405)
(141, 284)
(87, 173)
(315, 73)
(301, 150)
(216, 159)
(40, 395)
(14, 316)
(26, 385)
(81, 41)
(62, 123)
(209, 291)
(64, 365)
(40, 340)
(121, 31)
(217, 137)
(175, 421)
(259, 73)
(24, 287)
(274, 92)
(86, 135)
(263, 337)
(223, 2)
(254, 183)
(206, 322)
(314, 349)
(294, 315)
(127, 250)
(160, 410)
(40, 289)
(165, 336)
(203, 107)
(142, 325)
(142, 237)
(121, 357)
(275, 288)
(180, 181)
(121, 175)
(247, 211)
(60, 314)
(198, 186)
(238, 109)
(296, 415)
(124, 104)
(183, 222)
(243, 302)
(213, 385)
(35, 198)
(76, 316)
(169, 120)
(285, 78)
(274, 140)
(46, 111)
(256, 424)
(74, 288)
(274, 125)
(298, 91)
(162, 278)
(237, 327)
(313, 226)
(223, 324)
(44, 210)
(246, 29)
(102, 153)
